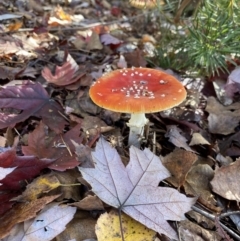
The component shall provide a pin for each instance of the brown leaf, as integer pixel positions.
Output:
(226, 181)
(179, 163)
(82, 227)
(176, 137)
(222, 119)
(39, 186)
(67, 178)
(50, 222)
(89, 203)
(21, 212)
(135, 58)
(134, 188)
(190, 231)
(197, 182)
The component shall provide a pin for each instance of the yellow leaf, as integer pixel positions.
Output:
(40, 185)
(108, 228)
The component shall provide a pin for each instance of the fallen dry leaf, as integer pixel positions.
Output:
(25, 167)
(134, 189)
(21, 212)
(132, 230)
(179, 163)
(82, 227)
(54, 146)
(51, 221)
(176, 137)
(63, 75)
(190, 231)
(226, 181)
(222, 119)
(197, 183)
(39, 186)
(89, 203)
(5, 171)
(32, 100)
(198, 139)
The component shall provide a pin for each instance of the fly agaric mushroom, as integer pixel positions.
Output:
(137, 91)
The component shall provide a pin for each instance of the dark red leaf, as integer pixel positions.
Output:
(60, 147)
(32, 100)
(27, 167)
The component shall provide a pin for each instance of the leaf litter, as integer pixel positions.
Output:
(50, 55)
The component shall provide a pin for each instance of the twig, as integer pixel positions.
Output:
(70, 153)
(213, 217)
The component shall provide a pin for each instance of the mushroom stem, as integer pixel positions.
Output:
(136, 125)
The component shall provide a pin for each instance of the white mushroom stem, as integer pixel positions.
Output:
(136, 125)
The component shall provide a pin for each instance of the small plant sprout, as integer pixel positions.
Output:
(137, 91)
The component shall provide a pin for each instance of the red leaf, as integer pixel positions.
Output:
(64, 75)
(55, 148)
(32, 100)
(26, 167)
(5, 203)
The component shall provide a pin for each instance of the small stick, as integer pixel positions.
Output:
(213, 217)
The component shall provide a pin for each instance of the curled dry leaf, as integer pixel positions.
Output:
(134, 189)
(64, 75)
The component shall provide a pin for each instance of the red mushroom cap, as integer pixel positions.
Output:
(137, 90)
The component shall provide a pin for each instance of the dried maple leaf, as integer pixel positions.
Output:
(32, 100)
(134, 189)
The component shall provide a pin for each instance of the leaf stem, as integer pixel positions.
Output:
(120, 222)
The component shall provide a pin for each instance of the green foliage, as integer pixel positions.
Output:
(210, 40)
